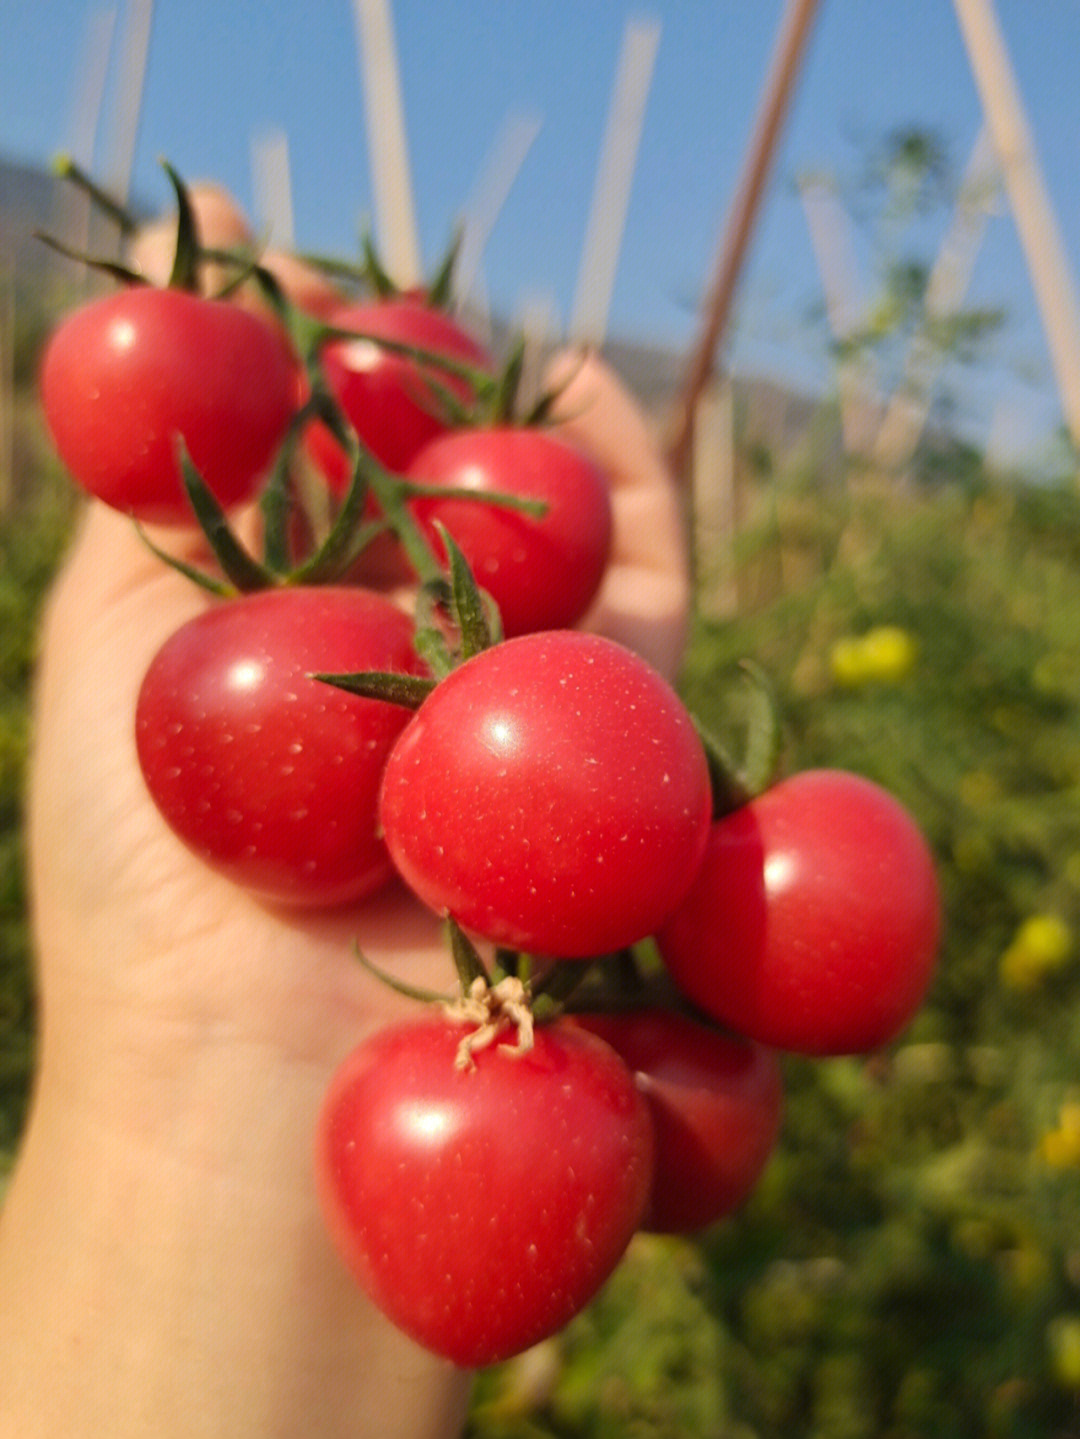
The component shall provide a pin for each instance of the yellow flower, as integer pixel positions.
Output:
(1063, 1342)
(1060, 1147)
(883, 655)
(1041, 945)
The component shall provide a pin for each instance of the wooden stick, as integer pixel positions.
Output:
(787, 58)
(1033, 213)
(614, 177)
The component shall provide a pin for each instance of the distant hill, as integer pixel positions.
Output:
(32, 199)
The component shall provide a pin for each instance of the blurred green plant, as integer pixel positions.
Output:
(34, 525)
(909, 1265)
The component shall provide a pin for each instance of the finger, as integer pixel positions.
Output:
(220, 224)
(644, 601)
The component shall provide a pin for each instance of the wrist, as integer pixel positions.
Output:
(164, 1262)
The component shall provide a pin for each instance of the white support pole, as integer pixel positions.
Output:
(74, 208)
(388, 151)
(1033, 213)
(615, 173)
(487, 200)
(538, 324)
(273, 187)
(831, 242)
(905, 418)
(128, 100)
(715, 519)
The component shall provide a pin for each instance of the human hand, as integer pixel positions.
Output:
(162, 1238)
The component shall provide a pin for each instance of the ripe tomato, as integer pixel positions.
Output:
(542, 572)
(813, 923)
(481, 1209)
(124, 376)
(716, 1103)
(268, 774)
(551, 794)
(388, 398)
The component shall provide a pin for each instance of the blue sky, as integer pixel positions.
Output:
(222, 72)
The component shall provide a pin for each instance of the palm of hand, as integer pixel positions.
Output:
(128, 921)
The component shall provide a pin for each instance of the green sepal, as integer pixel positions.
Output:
(115, 269)
(537, 509)
(729, 788)
(541, 412)
(276, 506)
(467, 961)
(211, 583)
(399, 986)
(764, 735)
(377, 277)
(335, 268)
(478, 380)
(347, 535)
(409, 691)
(64, 167)
(185, 267)
(440, 293)
(242, 569)
(735, 783)
(472, 617)
(504, 396)
(433, 600)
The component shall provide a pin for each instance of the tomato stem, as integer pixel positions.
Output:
(186, 258)
(66, 168)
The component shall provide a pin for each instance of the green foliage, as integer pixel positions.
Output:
(909, 1265)
(33, 530)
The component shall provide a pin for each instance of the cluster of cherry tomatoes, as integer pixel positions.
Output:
(611, 1064)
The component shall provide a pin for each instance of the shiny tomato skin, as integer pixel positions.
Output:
(268, 774)
(480, 1209)
(716, 1103)
(551, 794)
(543, 571)
(814, 921)
(387, 397)
(122, 377)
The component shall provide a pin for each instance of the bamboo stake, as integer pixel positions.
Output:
(128, 102)
(788, 54)
(1033, 213)
(905, 418)
(715, 520)
(487, 200)
(391, 179)
(74, 206)
(273, 186)
(831, 241)
(614, 178)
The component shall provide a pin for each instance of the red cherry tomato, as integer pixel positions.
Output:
(480, 1209)
(542, 572)
(551, 794)
(716, 1103)
(123, 377)
(268, 774)
(813, 923)
(390, 399)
